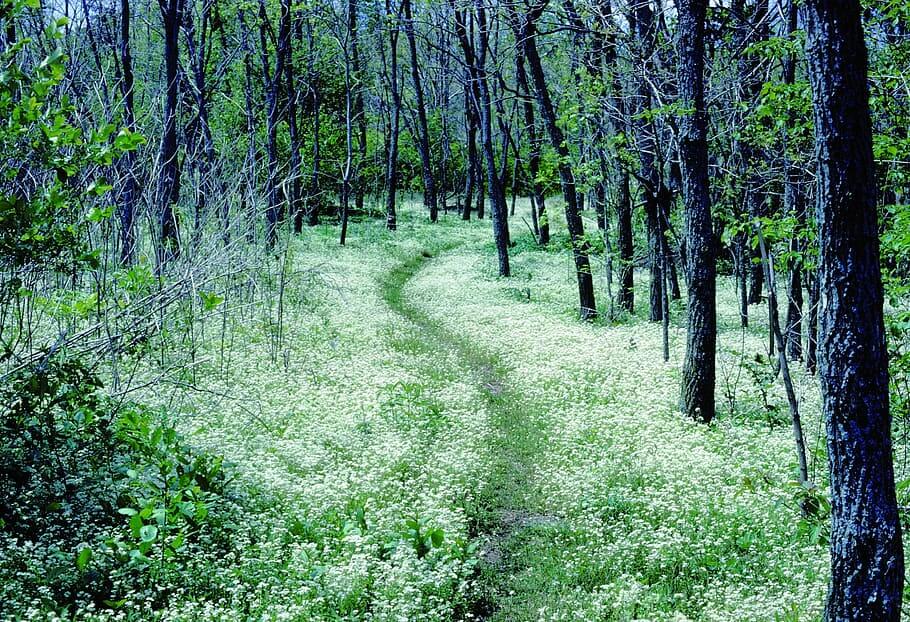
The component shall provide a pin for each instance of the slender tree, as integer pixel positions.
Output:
(130, 191)
(169, 165)
(281, 41)
(391, 170)
(526, 32)
(538, 202)
(423, 131)
(649, 174)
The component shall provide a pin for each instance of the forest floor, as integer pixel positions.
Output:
(435, 442)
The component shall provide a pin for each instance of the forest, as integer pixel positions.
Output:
(442, 310)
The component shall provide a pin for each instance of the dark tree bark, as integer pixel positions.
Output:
(314, 198)
(526, 32)
(626, 294)
(391, 171)
(169, 172)
(480, 192)
(867, 562)
(538, 203)
(272, 89)
(794, 205)
(471, 123)
(129, 194)
(423, 131)
(481, 90)
(359, 112)
(649, 176)
(698, 367)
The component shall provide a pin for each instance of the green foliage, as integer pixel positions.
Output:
(51, 191)
(111, 487)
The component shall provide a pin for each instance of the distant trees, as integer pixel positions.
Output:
(867, 561)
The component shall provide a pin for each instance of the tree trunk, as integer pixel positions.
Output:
(580, 248)
(204, 166)
(248, 198)
(538, 204)
(626, 295)
(642, 20)
(273, 115)
(295, 172)
(494, 180)
(359, 112)
(795, 419)
(129, 194)
(867, 561)
(471, 163)
(314, 198)
(794, 205)
(391, 175)
(698, 367)
(169, 173)
(423, 131)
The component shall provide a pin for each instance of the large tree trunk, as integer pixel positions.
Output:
(423, 131)
(867, 561)
(698, 367)
(527, 34)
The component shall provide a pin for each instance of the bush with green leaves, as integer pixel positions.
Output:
(101, 497)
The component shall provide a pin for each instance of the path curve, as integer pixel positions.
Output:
(513, 445)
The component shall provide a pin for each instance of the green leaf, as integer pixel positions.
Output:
(83, 558)
(210, 300)
(136, 525)
(148, 533)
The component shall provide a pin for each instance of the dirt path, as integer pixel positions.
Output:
(503, 510)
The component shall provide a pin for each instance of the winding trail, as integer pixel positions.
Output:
(503, 510)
